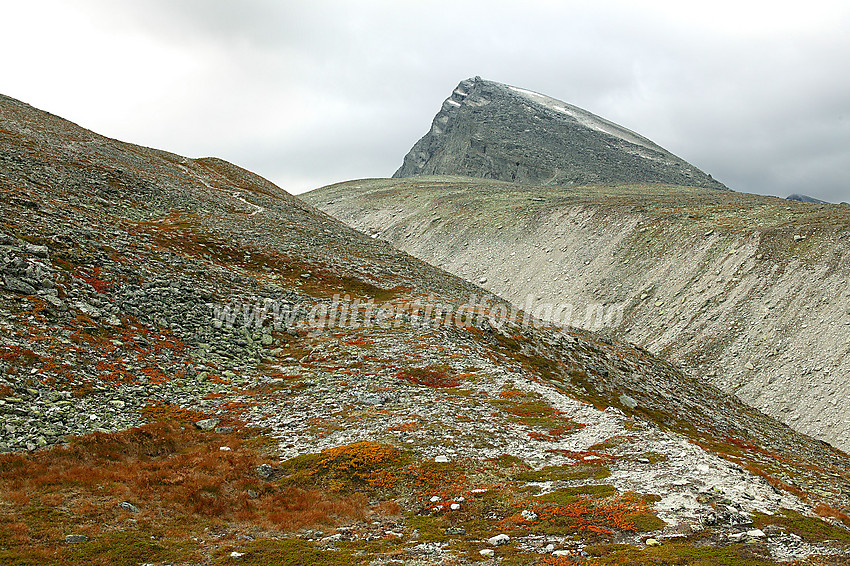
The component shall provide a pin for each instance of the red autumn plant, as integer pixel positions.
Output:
(429, 377)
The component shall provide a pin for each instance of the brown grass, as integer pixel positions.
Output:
(178, 477)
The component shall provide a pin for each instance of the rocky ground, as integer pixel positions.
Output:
(747, 292)
(198, 368)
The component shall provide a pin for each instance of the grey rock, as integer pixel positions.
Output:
(55, 302)
(127, 506)
(207, 424)
(628, 401)
(490, 130)
(379, 398)
(75, 539)
(18, 286)
(88, 310)
(725, 516)
(265, 471)
(40, 251)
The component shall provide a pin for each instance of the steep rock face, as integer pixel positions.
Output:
(490, 130)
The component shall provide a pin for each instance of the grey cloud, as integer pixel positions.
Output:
(326, 90)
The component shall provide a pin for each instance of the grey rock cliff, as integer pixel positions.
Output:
(805, 198)
(490, 130)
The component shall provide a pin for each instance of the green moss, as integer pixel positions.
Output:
(353, 466)
(654, 457)
(430, 529)
(299, 469)
(809, 528)
(14, 558)
(646, 522)
(567, 495)
(288, 552)
(645, 497)
(564, 473)
(524, 408)
(128, 547)
(612, 442)
(508, 461)
(604, 549)
(678, 554)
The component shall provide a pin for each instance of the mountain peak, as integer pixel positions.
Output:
(492, 130)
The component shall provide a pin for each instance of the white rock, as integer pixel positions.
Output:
(235, 554)
(486, 552)
(758, 533)
(529, 515)
(455, 506)
(435, 498)
(499, 540)
(441, 458)
(225, 448)
(561, 553)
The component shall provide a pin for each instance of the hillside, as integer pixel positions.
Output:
(747, 292)
(198, 368)
(495, 131)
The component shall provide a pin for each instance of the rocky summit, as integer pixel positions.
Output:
(198, 368)
(490, 130)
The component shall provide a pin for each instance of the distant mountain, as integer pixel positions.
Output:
(805, 198)
(491, 130)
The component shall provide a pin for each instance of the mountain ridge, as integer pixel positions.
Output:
(197, 368)
(491, 130)
(748, 292)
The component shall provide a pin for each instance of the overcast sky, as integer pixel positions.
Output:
(310, 93)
